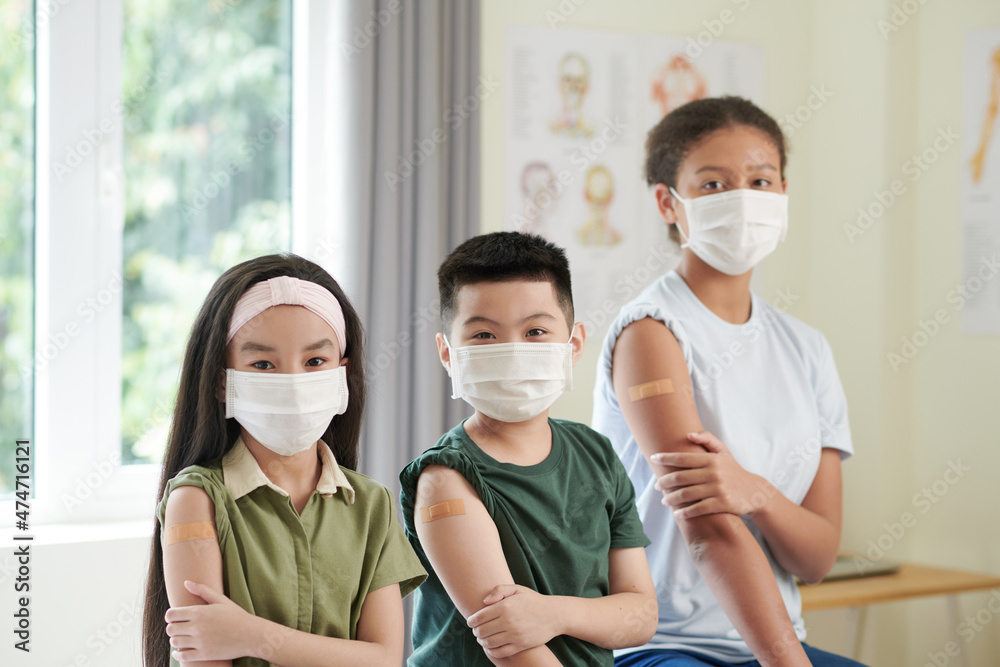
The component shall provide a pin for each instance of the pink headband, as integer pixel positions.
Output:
(288, 291)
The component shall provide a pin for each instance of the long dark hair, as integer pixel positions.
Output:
(200, 433)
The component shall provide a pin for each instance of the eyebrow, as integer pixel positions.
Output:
(766, 165)
(250, 346)
(485, 320)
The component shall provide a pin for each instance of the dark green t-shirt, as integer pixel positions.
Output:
(556, 520)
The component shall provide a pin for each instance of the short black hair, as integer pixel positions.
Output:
(504, 257)
(670, 140)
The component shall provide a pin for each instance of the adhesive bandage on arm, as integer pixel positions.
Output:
(441, 510)
(650, 389)
(184, 532)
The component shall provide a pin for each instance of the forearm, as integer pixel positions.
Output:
(282, 645)
(803, 542)
(738, 574)
(540, 656)
(619, 620)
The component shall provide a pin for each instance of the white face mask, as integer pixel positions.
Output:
(286, 413)
(733, 231)
(511, 382)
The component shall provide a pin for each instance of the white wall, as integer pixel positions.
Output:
(890, 94)
(86, 596)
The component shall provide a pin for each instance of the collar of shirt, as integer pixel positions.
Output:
(242, 474)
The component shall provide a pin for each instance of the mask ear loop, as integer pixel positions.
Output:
(687, 239)
(568, 361)
(455, 381)
(230, 393)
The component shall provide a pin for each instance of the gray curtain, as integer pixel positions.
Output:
(412, 196)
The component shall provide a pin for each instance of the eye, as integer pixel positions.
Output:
(483, 335)
(713, 185)
(535, 332)
(262, 365)
(316, 361)
(762, 183)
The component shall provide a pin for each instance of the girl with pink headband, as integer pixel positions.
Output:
(269, 547)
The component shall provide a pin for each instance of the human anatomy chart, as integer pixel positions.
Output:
(979, 292)
(578, 107)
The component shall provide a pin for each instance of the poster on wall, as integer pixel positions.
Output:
(579, 106)
(978, 294)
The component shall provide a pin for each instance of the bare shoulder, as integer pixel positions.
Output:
(188, 504)
(646, 336)
(438, 482)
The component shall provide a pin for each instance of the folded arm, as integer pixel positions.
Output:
(210, 629)
(804, 538)
(466, 553)
(725, 553)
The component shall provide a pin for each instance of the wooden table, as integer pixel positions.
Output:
(909, 582)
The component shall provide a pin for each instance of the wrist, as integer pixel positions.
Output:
(762, 500)
(257, 637)
(558, 614)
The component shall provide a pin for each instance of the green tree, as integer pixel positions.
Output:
(17, 192)
(206, 100)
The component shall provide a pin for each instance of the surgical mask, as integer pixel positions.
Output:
(286, 413)
(511, 382)
(733, 231)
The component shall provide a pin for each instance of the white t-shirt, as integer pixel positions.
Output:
(769, 390)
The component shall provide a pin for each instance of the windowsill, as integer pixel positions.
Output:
(78, 533)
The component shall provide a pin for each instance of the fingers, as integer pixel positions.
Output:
(182, 643)
(679, 478)
(681, 459)
(181, 614)
(488, 629)
(187, 655)
(499, 593)
(176, 629)
(482, 616)
(688, 495)
(501, 651)
(206, 593)
(708, 441)
(700, 508)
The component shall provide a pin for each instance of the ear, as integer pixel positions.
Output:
(784, 185)
(666, 203)
(444, 354)
(577, 340)
(671, 210)
(220, 389)
(343, 361)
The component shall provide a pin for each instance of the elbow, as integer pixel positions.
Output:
(814, 573)
(710, 534)
(810, 579)
(652, 621)
(639, 625)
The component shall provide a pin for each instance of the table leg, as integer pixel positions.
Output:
(856, 617)
(954, 618)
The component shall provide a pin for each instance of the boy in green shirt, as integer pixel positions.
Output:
(527, 525)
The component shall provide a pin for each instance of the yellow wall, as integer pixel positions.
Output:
(891, 94)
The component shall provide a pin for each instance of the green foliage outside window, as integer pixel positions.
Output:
(206, 110)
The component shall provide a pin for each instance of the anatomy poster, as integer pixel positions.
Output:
(579, 106)
(979, 293)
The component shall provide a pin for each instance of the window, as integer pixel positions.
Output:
(17, 229)
(206, 102)
(142, 156)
